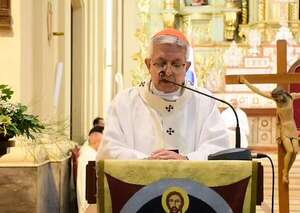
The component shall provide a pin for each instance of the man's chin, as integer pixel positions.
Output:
(174, 210)
(168, 90)
(168, 87)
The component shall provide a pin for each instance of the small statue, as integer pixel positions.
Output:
(286, 133)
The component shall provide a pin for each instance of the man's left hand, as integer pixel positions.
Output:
(164, 154)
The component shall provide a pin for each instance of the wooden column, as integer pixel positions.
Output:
(5, 16)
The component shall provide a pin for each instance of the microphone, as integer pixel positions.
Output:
(236, 153)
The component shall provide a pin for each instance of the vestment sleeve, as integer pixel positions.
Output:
(115, 144)
(82, 203)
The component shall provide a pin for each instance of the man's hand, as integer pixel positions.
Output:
(164, 154)
(278, 140)
(242, 79)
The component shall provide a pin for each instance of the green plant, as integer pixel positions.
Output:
(13, 118)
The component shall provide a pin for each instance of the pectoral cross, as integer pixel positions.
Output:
(281, 78)
(169, 108)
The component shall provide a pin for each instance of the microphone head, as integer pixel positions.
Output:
(162, 75)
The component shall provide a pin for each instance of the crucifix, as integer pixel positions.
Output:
(283, 79)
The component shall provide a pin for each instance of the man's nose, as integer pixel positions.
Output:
(169, 70)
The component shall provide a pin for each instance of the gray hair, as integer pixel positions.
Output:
(168, 39)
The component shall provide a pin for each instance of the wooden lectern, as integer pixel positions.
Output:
(156, 186)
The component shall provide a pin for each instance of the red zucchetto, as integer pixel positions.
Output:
(173, 32)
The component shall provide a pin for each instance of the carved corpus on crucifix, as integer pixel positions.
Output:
(282, 78)
(286, 133)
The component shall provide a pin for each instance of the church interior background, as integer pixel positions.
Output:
(67, 59)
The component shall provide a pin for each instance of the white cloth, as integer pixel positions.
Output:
(139, 122)
(230, 122)
(87, 153)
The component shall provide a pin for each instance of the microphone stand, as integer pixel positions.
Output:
(236, 153)
(229, 154)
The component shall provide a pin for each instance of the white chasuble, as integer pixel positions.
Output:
(87, 153)
(139, 123)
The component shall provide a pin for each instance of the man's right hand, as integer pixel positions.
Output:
(164, 154)
(278, 140)
(242, 79)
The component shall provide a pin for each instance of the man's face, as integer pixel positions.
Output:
(278, 98)
(175, 203)
(171, 59)
(95, 139)
(234, 103)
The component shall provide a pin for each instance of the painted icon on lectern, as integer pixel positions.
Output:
(176, 196)
(175, 200)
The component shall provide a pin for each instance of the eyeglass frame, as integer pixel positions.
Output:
(164, 66)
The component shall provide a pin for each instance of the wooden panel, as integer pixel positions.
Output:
(5, 14)
(260, 184)
(91, 183)
(263, 149)
(265, 78)
(255, 112)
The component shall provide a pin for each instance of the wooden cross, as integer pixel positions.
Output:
(283, 79)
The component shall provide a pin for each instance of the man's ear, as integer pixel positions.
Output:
(147, 62)
(188, 64)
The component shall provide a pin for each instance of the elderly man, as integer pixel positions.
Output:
(161, 120)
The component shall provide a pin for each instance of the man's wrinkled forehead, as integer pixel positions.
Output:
(172, 32)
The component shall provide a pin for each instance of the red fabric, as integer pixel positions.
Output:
(172, 32)
(75, 154)
(296, 88)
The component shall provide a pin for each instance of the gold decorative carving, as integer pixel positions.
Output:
(186, 20)
(293, 19)
(230, 25)
(169, 19)
(243, 32)
(210, 70)
(261, 10)
(142, 34)
(169, 13)
(244, 11)
(230, 20)
(200, 34)
(293, 13)
(203, 66)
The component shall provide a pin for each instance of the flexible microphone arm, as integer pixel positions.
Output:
(237, 128)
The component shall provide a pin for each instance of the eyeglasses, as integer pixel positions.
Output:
(175, 67)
